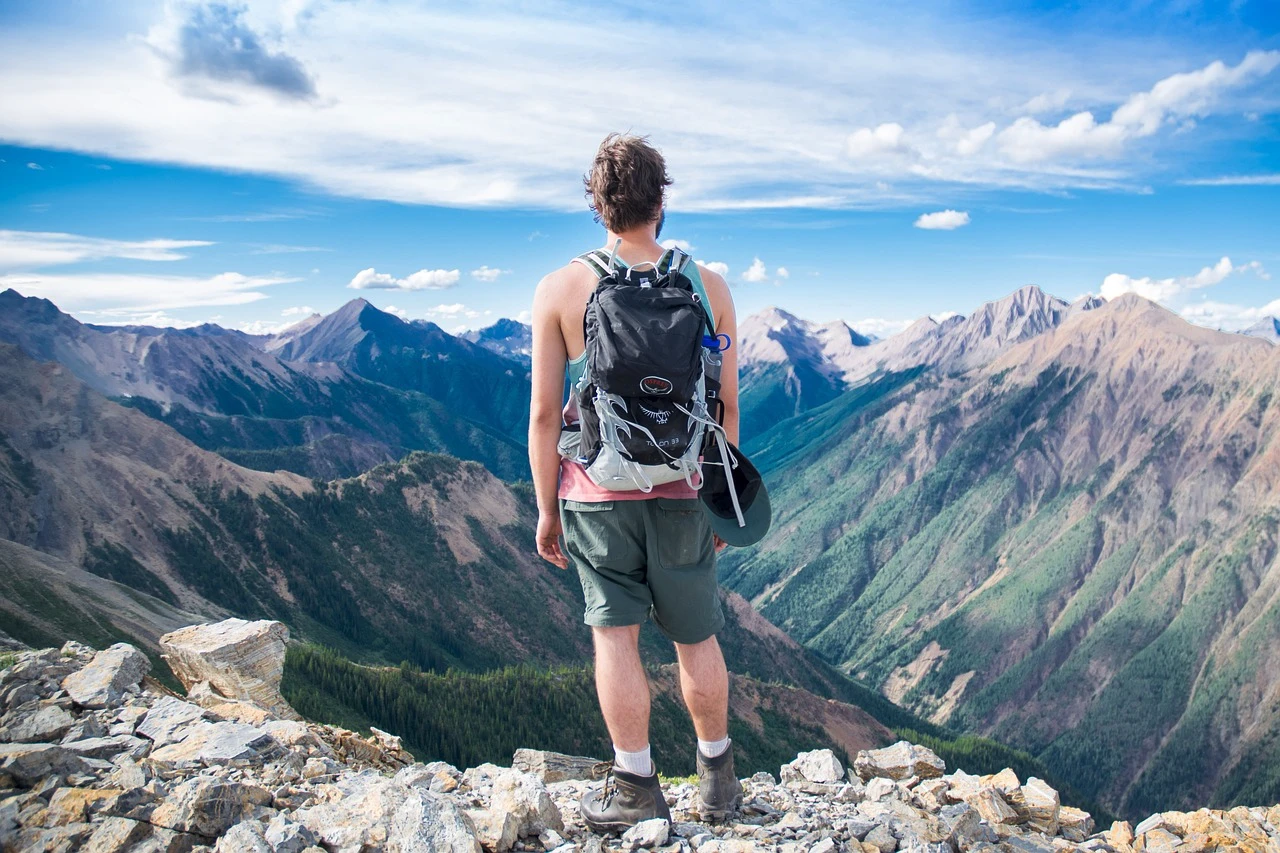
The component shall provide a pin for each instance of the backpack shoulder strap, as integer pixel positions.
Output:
(596, 261)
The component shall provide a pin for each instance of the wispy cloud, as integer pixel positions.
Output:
(284, 249)
(114, 294)
(35, 166)
(24, 250)
(371, 279)
(943, 220)
(1268, 180)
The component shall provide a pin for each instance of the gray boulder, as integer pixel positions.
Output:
(46, 725)
(218, 743)
(104, 681)
(209, 806)
(169, 720)
(900, 761)
(425, 823)
(29, 764)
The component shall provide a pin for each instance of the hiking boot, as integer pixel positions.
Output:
(625, 800)
(719, 792)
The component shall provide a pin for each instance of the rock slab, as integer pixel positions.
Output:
(241, 660)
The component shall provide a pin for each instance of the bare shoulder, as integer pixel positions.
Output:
(718, 292)
(567, 279)
(713, 281)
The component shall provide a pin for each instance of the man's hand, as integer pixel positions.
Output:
(549, 531)
(719, 543)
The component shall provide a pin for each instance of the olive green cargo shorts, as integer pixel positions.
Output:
(645, 558)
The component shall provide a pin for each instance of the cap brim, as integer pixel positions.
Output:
(753, 499)
(758, 516)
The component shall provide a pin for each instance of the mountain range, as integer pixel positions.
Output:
(331, 396)
(1050, 523)
(1010, 544)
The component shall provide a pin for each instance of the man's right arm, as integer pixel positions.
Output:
(545, 418)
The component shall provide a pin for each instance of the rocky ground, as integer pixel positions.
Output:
(97, 756)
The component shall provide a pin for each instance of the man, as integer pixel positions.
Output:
(638, 554)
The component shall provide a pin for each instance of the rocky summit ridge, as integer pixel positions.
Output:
(97, 756)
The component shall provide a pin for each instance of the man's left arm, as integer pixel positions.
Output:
(726, 324)
(549, 359)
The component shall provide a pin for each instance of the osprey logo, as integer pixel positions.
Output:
(659, 416)
(655, 386)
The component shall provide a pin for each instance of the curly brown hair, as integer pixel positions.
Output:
(626, 183)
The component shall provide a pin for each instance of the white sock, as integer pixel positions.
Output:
(713, 748)
(639, 763)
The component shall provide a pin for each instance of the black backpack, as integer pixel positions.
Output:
(652, 375)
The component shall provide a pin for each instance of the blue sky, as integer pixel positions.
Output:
(179, 162)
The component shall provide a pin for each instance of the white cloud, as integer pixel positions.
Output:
(879, 326)
(1235, 181)
(252, 327)
(21, 250)
(116, 294)
(683, 245)
(524, 316)
(944, 316)
(718, 267)
(488, 273)
(782, 272)
(454, 311)
(966, 142)
(1223, 315)
(1159, 290)
(371, 279)
(756, 272)
(298, 311)
(889, 139)
(36, 166)
(1047, 102)
(399, 312)
(943, 220)
(1178, 97)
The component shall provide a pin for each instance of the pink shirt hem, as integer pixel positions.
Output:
(575, 485)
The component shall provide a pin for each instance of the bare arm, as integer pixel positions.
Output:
(549, 359)
(726, 324)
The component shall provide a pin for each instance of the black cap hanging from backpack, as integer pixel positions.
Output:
(733, 495)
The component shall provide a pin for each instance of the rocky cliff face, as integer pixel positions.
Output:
(1073, 548)
(94, 756)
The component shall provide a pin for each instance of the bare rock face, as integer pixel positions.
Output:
(240, 660)
(903, 760)
(106, 679)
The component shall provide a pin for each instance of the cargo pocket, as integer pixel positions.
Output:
(589, 528)
(684, 534)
